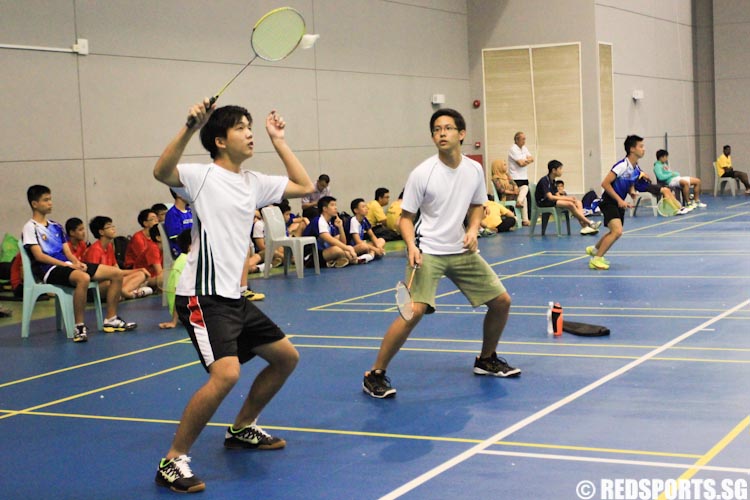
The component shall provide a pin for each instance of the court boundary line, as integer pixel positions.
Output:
(474, 450)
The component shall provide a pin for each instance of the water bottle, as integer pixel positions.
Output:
(556, 319)
(550, 330)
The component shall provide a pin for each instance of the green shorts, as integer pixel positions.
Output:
(468, 271)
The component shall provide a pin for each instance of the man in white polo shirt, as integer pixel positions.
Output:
(519, 158)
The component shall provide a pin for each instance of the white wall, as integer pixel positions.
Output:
(653, 51)
(91, 127)
(731, 27)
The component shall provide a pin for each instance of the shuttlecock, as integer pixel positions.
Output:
(308, 41)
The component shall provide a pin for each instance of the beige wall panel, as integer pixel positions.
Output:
(557, 94)
(733, 60)
(509, 102)
(391, 38)
(733, 106)
(192, 30)
(63, 177)
(677, 10)
(457, 6)
(46, 23)
(40, 106)
(607, 108)
(667, 107)
(373, 111)
(121, 117)
(357, 173)
(731, 11)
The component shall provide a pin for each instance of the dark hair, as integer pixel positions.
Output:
(661, 152)
(324, 178)
(154, 233)
(220, 121)
(324, 202)
(159, 207)
(72, 224)
(143, 215)
(490, 197)
(35, 192)
(174, 195)
(726, 146)
(457, 118)
(97, 224)
(184, 240)
(284, 206)
(401, 195)
(355, 203)
(553, 164)
(631, 141)
(380, 192)
(559, 182)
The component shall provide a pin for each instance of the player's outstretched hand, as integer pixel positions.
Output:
(275, 125)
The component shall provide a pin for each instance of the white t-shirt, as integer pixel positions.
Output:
(259, 229)
(516, 154)
(223, 204)
(443, 195)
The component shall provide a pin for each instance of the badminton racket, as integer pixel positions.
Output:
(665, 208)
(404, 301)
(274, 37)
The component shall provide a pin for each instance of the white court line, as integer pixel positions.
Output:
(640, 463)
(418, 481)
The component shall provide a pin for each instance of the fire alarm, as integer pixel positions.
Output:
(477, 103)
(477, 144)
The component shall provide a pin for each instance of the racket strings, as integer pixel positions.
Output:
(277, 34)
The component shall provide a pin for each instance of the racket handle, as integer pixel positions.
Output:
(191, 119)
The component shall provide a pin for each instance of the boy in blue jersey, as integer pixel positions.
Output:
(617, 185)
(179, 218)
(53, 262)
(328, 228)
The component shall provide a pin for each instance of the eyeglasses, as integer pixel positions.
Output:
(447, 128)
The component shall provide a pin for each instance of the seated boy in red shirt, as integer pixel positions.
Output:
(102, 251)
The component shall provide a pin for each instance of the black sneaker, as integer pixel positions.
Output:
(117, 324)
(497, 367)
(81, 334)
(176, 475)
(377, 385)
(252, 437)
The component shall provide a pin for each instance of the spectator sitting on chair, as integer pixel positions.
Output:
(151, 259)
(508, 190)
(76, 232)
(102, 251)
(179, 218)
(644, 185)
(295, 225)
(675, 180)
(362, 238)
(546, 196)
(138, 244)
(724, 165)
(160, 209)
(310, 201)
(560, 185)
(328, 228)
(54, 263)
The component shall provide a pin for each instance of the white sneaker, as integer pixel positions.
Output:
(700, 204)
(365, 258)
(589, 230)
(143, 291)
(682, 211)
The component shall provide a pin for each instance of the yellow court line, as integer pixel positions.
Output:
(91, 363)
(98, 389)
(416, 437)
(711, 454)
(703, 224)
(525, 343)
(522, 353)
(630, 276)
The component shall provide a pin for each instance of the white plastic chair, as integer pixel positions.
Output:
(720, 182)
(644, 196)
(276, 237)
(63, 299)
(167, 261)
(545, 212)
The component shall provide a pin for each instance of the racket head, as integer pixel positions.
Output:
(277, 33)
(666, 209)
(403, 301)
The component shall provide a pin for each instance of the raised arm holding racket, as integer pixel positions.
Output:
(225, 328)
(442, 189)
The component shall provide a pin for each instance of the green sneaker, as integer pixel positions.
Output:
(591, 250)
(598, 263)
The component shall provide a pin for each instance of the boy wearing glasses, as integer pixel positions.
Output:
(442, 189)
